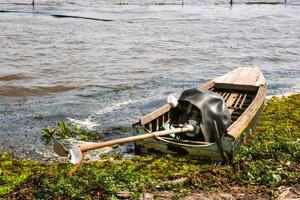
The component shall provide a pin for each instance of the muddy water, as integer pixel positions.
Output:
(118, 60)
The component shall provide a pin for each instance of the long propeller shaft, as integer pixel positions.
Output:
(187, 128)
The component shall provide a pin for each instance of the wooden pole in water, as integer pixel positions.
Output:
(231, 2)
(32, 2)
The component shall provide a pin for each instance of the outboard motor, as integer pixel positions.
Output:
(200, 108)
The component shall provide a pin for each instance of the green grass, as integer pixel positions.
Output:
(269, 158)
(272, 155)
(14, 172)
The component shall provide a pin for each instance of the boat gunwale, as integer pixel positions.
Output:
(233, 130)
(261, 91)
(255, 104)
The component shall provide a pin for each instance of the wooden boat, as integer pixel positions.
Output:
(243, 90)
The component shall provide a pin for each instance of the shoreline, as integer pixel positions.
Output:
(46, 154)
(268, 169)
(287, 94)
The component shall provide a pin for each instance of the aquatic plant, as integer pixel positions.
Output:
(123, 88)
(63, 131)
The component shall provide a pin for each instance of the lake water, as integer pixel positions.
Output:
(121, 59)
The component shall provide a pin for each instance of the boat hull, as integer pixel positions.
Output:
(244, 93)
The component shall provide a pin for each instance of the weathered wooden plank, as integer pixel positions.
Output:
(157, 124)
(236, 87)
(261, 80)
(226, 96)
(155, 114)
(238, 100)
(238, 126)
(231, 99)
(229, 77)
(248, 76)
(231, 110)
(208, 85)
(150, 127)
(242, 76)
(243, 100)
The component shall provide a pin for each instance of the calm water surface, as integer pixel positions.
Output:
(108, 70)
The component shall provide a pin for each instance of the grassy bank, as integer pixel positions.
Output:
(268, 159)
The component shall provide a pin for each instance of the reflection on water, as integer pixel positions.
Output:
(112, 72)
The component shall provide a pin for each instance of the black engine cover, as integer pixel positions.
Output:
(210, 107)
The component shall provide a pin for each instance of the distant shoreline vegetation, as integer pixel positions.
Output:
(178, 2)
